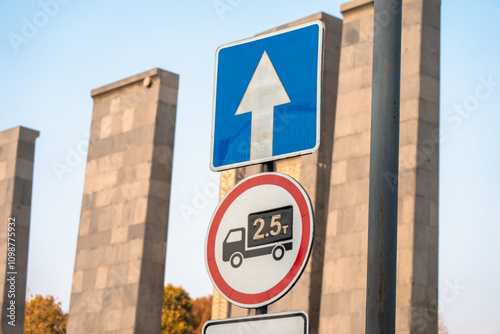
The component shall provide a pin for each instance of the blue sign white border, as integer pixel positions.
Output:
(320, 24)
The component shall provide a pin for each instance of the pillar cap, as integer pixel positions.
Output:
(165, 76)
(353, 4)
(19, 133)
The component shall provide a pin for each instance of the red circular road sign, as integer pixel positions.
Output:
(259, 239)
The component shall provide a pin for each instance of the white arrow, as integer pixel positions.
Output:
(264, 92)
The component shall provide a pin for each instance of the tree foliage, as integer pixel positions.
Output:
(177, 311)
(202, 312)
(180, 314)
(44, 315)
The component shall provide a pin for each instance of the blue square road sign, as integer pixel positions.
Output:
(267, 97)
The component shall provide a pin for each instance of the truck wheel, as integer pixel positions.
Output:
(236, 260)
(278, 252)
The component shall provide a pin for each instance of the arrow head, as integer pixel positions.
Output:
(265, 89)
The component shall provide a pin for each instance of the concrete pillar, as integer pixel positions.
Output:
(17, 151)
(313, 173)
(343, 301)
(120, 258)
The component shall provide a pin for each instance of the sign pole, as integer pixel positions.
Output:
(266, 222)
(261, 310)
(384, 164)
(266, 167)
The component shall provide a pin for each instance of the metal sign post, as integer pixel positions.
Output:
(384, 161)
(267, 106)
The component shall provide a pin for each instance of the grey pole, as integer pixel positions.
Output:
(266, 167)
(261, 310)
(384, 162)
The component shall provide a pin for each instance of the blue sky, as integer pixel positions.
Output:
(46, 83)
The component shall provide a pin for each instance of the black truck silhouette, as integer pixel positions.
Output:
(269, 232)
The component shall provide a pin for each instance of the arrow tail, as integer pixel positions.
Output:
(262, 134)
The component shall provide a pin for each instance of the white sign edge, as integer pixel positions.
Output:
(309, 246)
(321, 33)
(299, 313)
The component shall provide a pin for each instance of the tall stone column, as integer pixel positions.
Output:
(17, 151)
(343, 301)
(313, 173)
(120, 259)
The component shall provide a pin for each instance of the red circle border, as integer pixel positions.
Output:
(306, 214)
